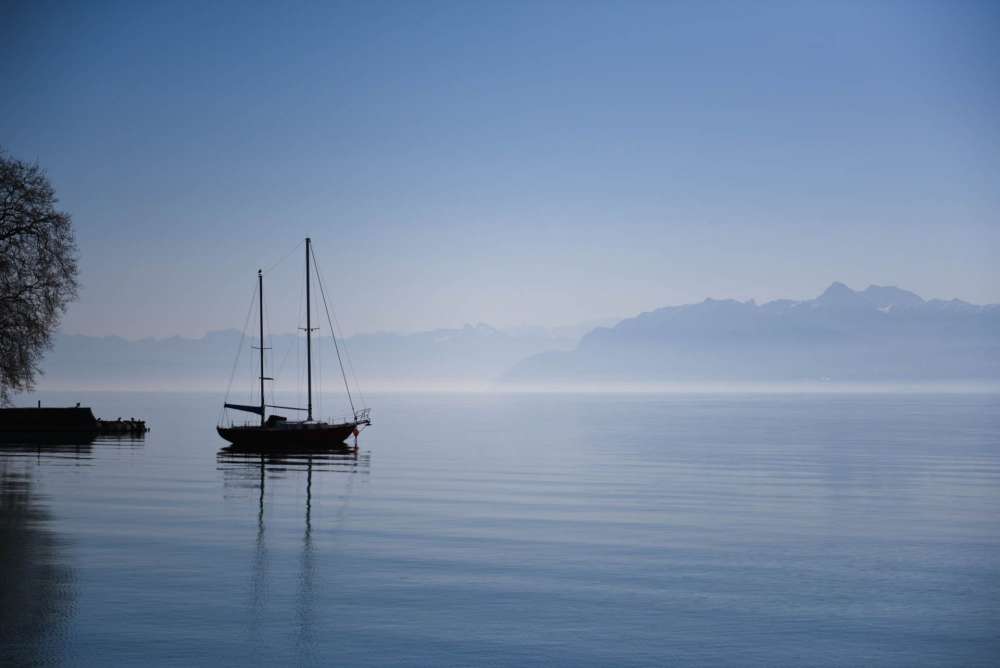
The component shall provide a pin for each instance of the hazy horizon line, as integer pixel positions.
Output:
(445, 386)
(509, 328)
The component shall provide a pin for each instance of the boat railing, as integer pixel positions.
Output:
(360, 416)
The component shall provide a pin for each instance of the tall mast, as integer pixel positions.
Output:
(260, 296)
(309, 385)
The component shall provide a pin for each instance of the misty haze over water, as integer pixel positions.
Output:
(878, 337)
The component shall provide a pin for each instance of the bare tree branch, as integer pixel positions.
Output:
(37, 271)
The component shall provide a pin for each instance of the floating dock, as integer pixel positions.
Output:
(130, 426)
(61, 425)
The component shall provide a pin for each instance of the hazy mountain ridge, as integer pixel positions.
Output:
(473, 353)
(880, 333)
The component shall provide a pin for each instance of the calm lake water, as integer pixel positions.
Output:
(517, 530)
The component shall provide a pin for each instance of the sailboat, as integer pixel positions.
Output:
(276, 431)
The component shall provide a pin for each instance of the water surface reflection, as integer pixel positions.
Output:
(47, 452)
(251, 469)
(37, 596)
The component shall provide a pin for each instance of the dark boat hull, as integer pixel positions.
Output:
(289, 435)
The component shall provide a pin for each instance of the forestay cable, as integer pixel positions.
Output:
(333, 334)
(243, 334)
(283, 258)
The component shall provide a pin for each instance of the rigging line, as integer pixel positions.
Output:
(252, 365)
(288, 351)
(284, 360)
(350, 363)
(333, 334)
(264, 344)
(239, 350)
(270, 361)
(298, 349)
(283, 258)
(319, 378)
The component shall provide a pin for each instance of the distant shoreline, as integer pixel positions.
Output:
(707, 387)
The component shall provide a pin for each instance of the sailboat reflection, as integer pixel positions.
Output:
(251, 469)
(340, 458)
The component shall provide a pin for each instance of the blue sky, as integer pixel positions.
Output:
(514, 163)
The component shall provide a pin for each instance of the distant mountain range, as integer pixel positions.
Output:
(471, 354)
(877, 334)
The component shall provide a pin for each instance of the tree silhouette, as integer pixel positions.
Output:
(37, 271)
